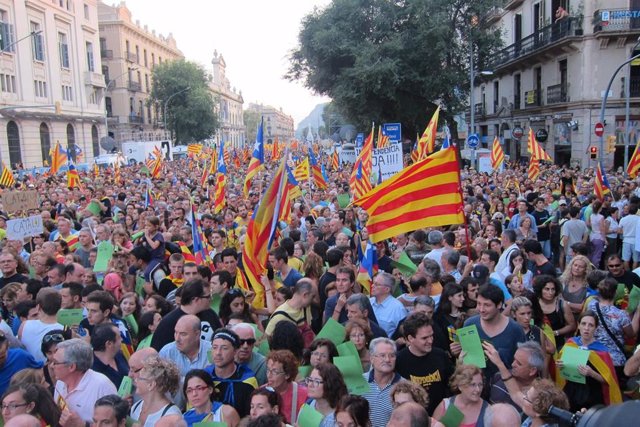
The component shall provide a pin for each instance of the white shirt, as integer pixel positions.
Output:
(91, 387)
(503, 261)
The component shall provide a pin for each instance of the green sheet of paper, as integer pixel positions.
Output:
(140, 285)
(351, 369)
(452, 417)
(131, 321)
(472, 346)
(304, 371)
(404, 264)
(634, 299)
(343, 200)
(333, 331)
(262, 344)
(573, 357)
(348, 348)
(70, 316)
(309, 417)
(125, 387)
(105, 252)
(209, 424)
(94, 208)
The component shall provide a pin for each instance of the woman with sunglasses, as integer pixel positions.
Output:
(201, 395)
(326, 388)
(48, 347)
(468, 381)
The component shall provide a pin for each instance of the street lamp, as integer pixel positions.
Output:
(106, 89)
(166, 103)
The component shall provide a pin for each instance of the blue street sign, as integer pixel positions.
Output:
(473, 141)
(393, 131)
(360, 140)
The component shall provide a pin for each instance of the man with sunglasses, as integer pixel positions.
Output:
(246, 354)
(617, 270)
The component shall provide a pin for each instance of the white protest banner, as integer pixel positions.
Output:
(14, 201)
(387, 161)
(18, 229)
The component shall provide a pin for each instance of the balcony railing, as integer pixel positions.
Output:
(616, 20)
(512, 4)
(634, 86)
(537, 41)
(556, 94)
(533, 98)
(479, 109)
(136, 118)
(493, 14)
(93, 79)
(106, 54)
(134, 86)
(132, 57)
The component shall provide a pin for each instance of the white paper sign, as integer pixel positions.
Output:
(18, 229)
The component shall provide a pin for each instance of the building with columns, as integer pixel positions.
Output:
(51, 86)
(552, 73)
(229, 103)
(276, 123)
(129, 53)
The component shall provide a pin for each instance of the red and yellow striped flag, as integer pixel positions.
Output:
(335, 161)
(602, 186)
(301, 172)
(58, 158)
(427, 142)
(534, 148)
(6, 178)
(383, 140)
(360, 179)
(634, 162)
(73, 178)
(497, 154)
(534, 168)
(425, 194)
(194, 150)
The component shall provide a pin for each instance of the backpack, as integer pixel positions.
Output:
(305, 329)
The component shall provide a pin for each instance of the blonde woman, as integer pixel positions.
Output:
(574, 282)
(468, 382)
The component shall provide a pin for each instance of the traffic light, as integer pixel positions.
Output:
(611, 144)
(594, 152)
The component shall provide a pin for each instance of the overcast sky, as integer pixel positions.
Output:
(254, 37)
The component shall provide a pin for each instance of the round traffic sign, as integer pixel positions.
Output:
(473, 141)
(542, 135)
(517, 132)
(599, 129)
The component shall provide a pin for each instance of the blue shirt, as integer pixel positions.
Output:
(171, 352)
(515, 222)
(17, 360)
(389, 313)
(292, 278)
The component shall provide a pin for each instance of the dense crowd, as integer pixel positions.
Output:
(145, 331)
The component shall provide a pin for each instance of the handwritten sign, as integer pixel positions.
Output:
(14, 201)
(18, 229)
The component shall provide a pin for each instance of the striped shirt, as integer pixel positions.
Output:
(380, 405)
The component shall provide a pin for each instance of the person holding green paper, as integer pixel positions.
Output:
(325, 388)
(467, 407)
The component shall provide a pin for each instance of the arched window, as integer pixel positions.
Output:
(45, 142)
(95, 141)
(13, 138)
(71, 142)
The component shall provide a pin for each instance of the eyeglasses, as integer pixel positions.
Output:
(274, 372)
(614, 265)
(197, 388)
(313, 381)
(249, 341)
(475, 385)
(52, 338)
(13, 406)
(357, 336)
(526, 399)
(145, 379)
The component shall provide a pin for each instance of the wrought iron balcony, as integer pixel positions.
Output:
(134, 86)
(132, 57)
(557, 94)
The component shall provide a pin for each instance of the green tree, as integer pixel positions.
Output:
(395, 60)
(191, 112)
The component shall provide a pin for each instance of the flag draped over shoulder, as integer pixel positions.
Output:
(221, 181)
(73, 179)
(425, 194)
(58, 158)
(257, 158)
(427, 142)
(360, 179)
(534, 148)
(634, 162)
(497, 154)
(602, 186)
(6, 177)
(261, 231)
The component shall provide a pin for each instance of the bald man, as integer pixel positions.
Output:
(409, 414)
(501, 415)
(188, 351)
(23, 420)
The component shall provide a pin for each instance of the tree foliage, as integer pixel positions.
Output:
(191, 112)
(393, 60)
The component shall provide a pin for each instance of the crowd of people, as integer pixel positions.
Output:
(541, 268)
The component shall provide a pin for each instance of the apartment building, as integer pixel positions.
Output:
(51, 87)
(229, 104)
(276, 123)
(551, 76)
(129, 53)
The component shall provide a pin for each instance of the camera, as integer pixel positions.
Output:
(601, 416)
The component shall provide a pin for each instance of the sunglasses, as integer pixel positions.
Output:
(250, 341)
(52, 338)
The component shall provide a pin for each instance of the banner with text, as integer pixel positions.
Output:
(18, 229)
(387, 161)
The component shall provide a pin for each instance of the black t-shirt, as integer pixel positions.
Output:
(431, 371)
(629, 278)
(18, 278)
(209, 322)
(166, 286)
(541, 218)
(546, 268)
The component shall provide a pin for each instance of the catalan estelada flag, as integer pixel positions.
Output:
(383, 140)
(257, 158)
(316, 172)
(414, 153)
(6, 177)
(301, 172)
(360, 179)
(425, 194)
(221, 181)
(497, 154)
(261, 231)
(205, 174)
(427, 142)
(534, 168)
(200, 250)
(368, 267)
(634, 162)
(274, 150)
(148, 198)
(73, 178)
(58, 158)
(534, 148)
(602, 186)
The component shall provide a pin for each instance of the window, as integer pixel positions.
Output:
(146, 82)
(40, 88)
(153, 60)
(36, 42)
(146, 64)
(71, 142)
(105, 72)
(95, 142)
(67, 93)
(126, 44)
(45, 141)
(13, 138)
(86, 12)
(7, 38)
(137, 54)
(108, 106)
(63, 46)
(90, 64)
(7, 83)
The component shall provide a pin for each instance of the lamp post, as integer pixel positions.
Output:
(10, 45)
(106, 89)
(166, 103)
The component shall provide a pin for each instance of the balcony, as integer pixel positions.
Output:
(512, 4)
(609, 22)
(106, 54)
(533, 98)
(136, 119)
(480, 110)
(93, 79)
(493, 15)
(557, 94)
(546, 43)
(132, 57)
(134, 86)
